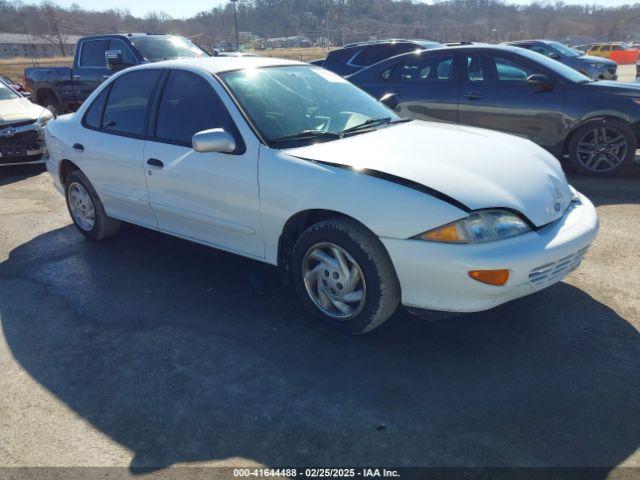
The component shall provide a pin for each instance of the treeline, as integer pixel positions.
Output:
(342, 20)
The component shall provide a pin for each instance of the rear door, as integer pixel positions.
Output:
(109, 145)
(494, 94)
(425, 85)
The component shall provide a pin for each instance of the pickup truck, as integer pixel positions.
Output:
(63, 89)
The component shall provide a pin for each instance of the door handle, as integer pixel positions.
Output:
(154, 162)
(78, 147)
(75, 76)
(473, 96)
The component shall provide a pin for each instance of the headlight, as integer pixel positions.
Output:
(44, 118)
(479, 227)
(597, 65)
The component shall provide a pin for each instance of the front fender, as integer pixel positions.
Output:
(290, 185)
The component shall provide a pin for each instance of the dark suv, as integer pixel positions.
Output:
(596, 68)
(595, 123)
(356, 56)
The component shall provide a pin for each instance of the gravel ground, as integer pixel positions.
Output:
(149, 351)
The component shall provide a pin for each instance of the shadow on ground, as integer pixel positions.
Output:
(609, 191)
(18, 173)
(182, 353)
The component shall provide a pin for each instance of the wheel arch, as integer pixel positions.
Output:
(44, 91)
(298, 223)
(635, 126)
(65, 168)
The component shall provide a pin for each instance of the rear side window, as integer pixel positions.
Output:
(92, 53)
(426, 69)
(93, 117)
(128, 102)
(188, 106)
(373, 54)
(606, 48)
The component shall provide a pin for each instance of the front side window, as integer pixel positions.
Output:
(128, 102)
(92, 53)
(426, 69)
(166, 47)
(541, 50)
(127, 56)
(188, 106)
(508, 70)
(303, 100)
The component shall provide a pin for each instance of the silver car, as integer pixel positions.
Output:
(21, 128)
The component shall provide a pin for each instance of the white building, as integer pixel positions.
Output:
(32, 46)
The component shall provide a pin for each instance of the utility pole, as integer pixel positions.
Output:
(235, 19)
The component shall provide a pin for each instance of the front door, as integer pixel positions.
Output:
(494, 94)
(207, 197)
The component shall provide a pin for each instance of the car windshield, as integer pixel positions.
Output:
(564, 50)
(156, 48)
(293, 104)
(560, 69)
(7, 93)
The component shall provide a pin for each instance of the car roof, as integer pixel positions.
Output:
(220, 64)
(125, 35)
(390, 40)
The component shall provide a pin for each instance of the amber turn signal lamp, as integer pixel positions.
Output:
(492, 277)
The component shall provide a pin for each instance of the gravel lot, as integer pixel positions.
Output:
(149, 351)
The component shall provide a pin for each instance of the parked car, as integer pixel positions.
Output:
(222, 53)
(619, 52)
(581, 48)
(63, 89)
(21, 128)
(292, 165)
(18, 87)
(356, 56)
(594, 123)
(593, 67)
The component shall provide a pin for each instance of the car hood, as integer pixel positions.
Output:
(476, 167)
(599, 60)
(18, 110)
(612, 87)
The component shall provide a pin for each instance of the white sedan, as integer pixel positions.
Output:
(292, 165)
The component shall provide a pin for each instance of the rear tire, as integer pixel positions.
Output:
(86, 209)
(344, 276)
(603, 148)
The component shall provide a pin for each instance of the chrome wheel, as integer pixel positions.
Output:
(334, 281)
(81, 206)
(602, 149)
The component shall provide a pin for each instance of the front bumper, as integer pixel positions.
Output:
(23, 146)
(434, 276)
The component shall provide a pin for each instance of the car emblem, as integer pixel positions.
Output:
(557, 207)
(8, 132)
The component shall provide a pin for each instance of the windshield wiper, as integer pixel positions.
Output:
(306, 135)
(372, 122)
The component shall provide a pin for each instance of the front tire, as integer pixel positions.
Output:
(344, 276)
(603, 148)
(86, 209)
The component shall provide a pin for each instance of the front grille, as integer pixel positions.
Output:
(29, 138)
(556, 271)
(612, 70)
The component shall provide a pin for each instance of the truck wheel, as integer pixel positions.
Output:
(86, 209)
(603, 148)
(344, 276)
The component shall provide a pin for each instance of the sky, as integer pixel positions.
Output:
(188, 8)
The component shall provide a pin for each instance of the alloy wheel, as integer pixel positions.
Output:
(602, 149)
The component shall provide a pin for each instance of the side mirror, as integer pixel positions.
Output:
(540, 82)
(213, 140)
(390, 100)
(114, 60)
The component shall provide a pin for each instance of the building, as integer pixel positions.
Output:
(32, 46)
